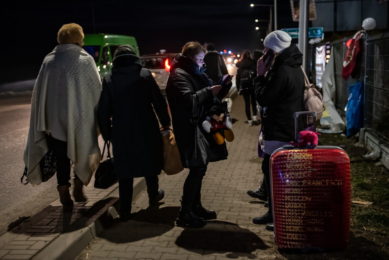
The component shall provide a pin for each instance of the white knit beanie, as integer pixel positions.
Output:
(277, 41)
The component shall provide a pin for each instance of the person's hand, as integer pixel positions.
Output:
(216, 89)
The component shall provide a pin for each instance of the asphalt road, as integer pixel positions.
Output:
(18, 200)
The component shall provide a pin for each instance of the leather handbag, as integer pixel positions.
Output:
(171, 155)
(105, 176)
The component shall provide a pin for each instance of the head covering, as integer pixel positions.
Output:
(277, 41)
(125, 55)
(70, 33)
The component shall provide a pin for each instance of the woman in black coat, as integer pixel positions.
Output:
(245, 84)
(126, 116)
(190, 96)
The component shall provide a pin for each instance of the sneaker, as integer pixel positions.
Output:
(204, 213)
(258, 194)
(154, 201)
(189, 219)
(267, 218)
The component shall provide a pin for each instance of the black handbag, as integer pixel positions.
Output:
(48, 166)
(105, 176)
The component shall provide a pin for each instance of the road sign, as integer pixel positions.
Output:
(313, 32)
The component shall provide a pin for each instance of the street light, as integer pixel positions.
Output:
(257, 28)
(257, 20)
(252, 5)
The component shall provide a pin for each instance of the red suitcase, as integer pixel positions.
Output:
(311, 194)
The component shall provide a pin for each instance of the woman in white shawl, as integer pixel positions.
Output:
(63, 110)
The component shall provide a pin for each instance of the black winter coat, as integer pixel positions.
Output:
(190, 97)
(130, 96)
(281, 94)
(245, 74)
(215, 66)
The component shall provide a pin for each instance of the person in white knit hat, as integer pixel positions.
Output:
(277, 41)
(280, 93)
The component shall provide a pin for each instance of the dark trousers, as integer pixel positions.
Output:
(63, 162)
(126, 190)
(266, 178)
(192, 188)
(250, 103)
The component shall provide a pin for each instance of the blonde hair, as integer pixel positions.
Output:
(191, 49)
(70, 33)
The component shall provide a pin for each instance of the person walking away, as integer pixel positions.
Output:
(215, 66)
(63, 115)
(280, 96)
(126, 116)
(245, 84)
(190, 94)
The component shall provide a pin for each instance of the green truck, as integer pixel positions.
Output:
(102, 47)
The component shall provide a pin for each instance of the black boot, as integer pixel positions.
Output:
(259, 194)
(267, 218)
(189, 219)
(153, 201)
(203, 213)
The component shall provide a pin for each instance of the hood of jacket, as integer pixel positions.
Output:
(125, 60)
(291, 56)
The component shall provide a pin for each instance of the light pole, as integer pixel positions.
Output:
(303, 27)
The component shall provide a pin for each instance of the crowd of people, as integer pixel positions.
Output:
(71, 106)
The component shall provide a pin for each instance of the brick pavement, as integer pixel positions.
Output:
(151, 234)
(34, 234)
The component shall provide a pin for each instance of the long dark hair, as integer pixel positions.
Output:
(245, 55)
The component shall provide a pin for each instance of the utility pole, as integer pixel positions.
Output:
(303, 28)
(275, 15)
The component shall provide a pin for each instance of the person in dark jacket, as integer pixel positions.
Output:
(215, 67)
(245, 84)
(126, 116)
(280, 96)
(190, 94)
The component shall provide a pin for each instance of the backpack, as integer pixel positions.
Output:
(313, 99)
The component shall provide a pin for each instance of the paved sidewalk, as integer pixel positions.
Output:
(151, 234)
(53, 234)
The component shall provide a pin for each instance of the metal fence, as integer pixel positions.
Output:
(377, 85)
(375, 56)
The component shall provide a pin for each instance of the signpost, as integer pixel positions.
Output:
(313, 32)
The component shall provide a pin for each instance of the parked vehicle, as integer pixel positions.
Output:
(159, 65)
(102, 47)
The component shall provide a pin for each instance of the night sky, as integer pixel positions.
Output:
(29, 29)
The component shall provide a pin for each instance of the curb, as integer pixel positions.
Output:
(70, 245)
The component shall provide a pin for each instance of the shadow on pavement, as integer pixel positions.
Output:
(358, 248)
(221, 237)
(143, 224)
(53, 219)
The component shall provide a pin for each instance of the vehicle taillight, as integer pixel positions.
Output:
(167, 65)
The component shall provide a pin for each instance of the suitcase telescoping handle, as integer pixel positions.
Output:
(311, 119)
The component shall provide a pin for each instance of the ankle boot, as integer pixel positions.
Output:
(203, 213)
(64, 197)
(267, 218)
(187, 218)
(78, 192)
(153, 201)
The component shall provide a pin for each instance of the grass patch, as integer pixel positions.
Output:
(370, 182)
